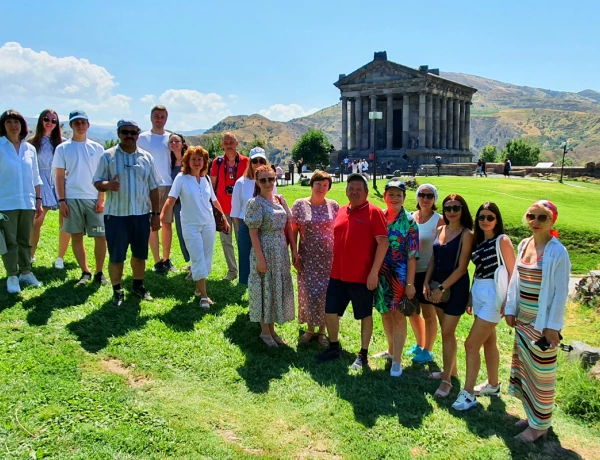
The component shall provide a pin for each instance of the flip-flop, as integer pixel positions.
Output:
(269, 341)
(322, 340)
(306, 337)
(204, 303)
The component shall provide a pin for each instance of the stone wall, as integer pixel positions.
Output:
(569, 171)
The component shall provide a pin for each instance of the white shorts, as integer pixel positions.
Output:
(483, 296)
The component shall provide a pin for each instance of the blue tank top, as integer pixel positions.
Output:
(445, 254)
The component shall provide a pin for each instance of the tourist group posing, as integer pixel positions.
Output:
(403, 264)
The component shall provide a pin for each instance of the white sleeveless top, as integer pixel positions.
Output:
(426, 237)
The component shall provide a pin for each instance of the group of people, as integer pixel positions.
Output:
(402, 264)
(357, 166)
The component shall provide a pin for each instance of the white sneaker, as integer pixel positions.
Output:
(29, 280)
(60, 263)
(485, 389)
(465, 401)
(396, 370)
(12, 285)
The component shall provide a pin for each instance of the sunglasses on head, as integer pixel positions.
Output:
(48, 120)
(129, 132)
(455, 208)
(262, 161)
(541, 218)
(429, 196)
(489, 218)
(265, 180)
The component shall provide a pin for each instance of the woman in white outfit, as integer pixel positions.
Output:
(492, 249)
(194, 190)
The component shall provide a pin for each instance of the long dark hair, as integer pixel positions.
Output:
(55, 135)
(498, 228)
(183, 148)
(466, 220)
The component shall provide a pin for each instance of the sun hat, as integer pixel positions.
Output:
(430, 187)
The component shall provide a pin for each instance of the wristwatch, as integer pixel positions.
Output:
(441, 288)
(154, 213)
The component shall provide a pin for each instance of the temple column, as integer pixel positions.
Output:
(373, 109)
(443, 122)
(353, 123)
(461, 137)
(358, 115)
(365, 123)
(436, 122)
(405, 120)
(389, 144)
(467, 125)
(344, 124)
(428, 121)
(422, 115)
(450, 133)
(455, 124)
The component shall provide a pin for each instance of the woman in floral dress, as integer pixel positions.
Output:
(313, 218)
(270, 288)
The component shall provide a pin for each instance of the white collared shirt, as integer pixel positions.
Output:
(19, 174)
(243, 190)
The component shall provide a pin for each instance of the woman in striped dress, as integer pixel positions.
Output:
(535, 307)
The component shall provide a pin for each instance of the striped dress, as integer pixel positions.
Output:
(533, 372)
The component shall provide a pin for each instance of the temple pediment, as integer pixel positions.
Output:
(378, 72)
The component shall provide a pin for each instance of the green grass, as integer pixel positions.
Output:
(82, 379)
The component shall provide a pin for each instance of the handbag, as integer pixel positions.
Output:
(408, 307)
(285, 233)
(433, 285)
(500, 276)
(218, 216)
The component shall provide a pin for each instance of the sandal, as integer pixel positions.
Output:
(268, 339)
(439, 375)
(278, 340)
(306, 337)
(204, 303)
(441, 393)
(522, 424)
(531, 435)
(322, 340)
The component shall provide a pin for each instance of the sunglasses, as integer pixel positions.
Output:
(48, 120)
(429, 196)
(265, 180)
(129, 132)
(262, 161)
(541, 218)
(174, 142)
(455, 208)
(489, 218)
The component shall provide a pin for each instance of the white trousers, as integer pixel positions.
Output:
(200, 243)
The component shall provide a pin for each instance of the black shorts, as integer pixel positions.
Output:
(123, 231)
(459, 297)
(341, 293)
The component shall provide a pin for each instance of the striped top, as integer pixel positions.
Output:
(138, 176)
(485, 259)
(531, 281)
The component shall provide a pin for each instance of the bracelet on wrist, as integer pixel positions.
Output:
(62, 200)
(155, 213)
(38, 198)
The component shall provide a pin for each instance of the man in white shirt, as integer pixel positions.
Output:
(156, 142)
(81, 205)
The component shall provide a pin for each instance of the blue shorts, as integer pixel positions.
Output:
(341, 293)
(124, 231)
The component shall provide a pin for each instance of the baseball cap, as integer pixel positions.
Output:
(395, 183)
(358, 176)
(258, 152)
(76, 114)
(123, 123)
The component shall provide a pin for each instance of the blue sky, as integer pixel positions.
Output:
(206, 60)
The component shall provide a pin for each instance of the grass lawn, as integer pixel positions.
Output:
(82, 379)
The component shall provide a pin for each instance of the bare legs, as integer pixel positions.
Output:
(115, 270)
(483, 333)
(80, 255)
(63, 238)
(448, 325)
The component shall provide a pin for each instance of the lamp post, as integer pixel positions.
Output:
(375, 116)
(565, 147)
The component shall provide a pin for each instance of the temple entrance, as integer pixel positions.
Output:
(397, 138)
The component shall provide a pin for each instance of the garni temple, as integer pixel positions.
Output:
(424, 115)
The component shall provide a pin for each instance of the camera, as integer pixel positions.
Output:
(229, 190)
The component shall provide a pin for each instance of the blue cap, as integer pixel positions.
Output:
(77, 114)
(395, 183)
(123, 123)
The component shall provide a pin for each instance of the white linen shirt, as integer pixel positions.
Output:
(19, 174)
(556, 267)
(195, 199)
(80, 162)
(243, 190)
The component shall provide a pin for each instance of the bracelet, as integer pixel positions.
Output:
(62, 200)
(155, 213)
(38, 198)
(409, 284)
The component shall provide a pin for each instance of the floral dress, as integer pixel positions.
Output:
(315, 224)
(403, 238)
(45, 157)
(271, 295)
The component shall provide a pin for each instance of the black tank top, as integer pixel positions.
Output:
(485, 259)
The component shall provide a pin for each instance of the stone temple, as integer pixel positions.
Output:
(424, 115)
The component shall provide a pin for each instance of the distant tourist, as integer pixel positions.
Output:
(479, 170)
(130, 180)
(81, 205)
(20, 199)
(535, 307)
(483, 168)
(47, 136)
(365, 168)
(359, 247)
(194, 189)
(507, 167)
(448, 270)
(279, 172)
(224, 173)
(312, 220)
(355, 167)
(492, 250)
(388, 168)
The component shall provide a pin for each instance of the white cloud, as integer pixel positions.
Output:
(147, 99)
(281, 112)
(190, 109)
(37, 79)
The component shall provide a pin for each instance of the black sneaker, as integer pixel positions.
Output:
(169, 267)
(100, 278)
(330, 354)
(142, 293)
(160, 268)
(118, 297)
(85, 279)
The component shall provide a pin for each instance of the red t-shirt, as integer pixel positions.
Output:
(354, 243)
(225, 178)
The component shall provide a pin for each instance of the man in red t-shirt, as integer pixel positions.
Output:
(223, 174)
(360, 241)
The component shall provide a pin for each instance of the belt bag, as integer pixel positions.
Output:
(500, 276)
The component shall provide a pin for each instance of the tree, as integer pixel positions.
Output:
(521, 153)
(568, 161)
(489, 154)
(110, 143)
(212, 143)
(312, 148)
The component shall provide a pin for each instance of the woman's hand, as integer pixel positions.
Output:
(502, 309)
(552, 337)
(261, 265)
(436, 295)
(470, 305)
(426, 291)
(227, 226)
(510, 320)
(410, 291)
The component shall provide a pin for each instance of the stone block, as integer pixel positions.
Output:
(587, 354)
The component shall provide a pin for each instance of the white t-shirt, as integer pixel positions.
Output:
(195, 199)
(158, 146)
(427, 232)
(355, 168)
(243, 190)
(80, 161)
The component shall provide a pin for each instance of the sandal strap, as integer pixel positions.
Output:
(447, 383)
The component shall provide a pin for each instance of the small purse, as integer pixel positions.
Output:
(219, 217)
(409, 307)
(433, 285)
(500, 276)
